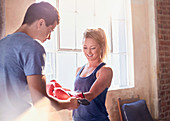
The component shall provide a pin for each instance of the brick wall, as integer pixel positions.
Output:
(163, 19)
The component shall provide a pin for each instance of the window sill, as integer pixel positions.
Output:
(120, 88)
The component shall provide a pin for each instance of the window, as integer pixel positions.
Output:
(64, 53)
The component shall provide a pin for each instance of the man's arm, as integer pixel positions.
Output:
(37, 87)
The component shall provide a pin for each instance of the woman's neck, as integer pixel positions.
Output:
(94, 63)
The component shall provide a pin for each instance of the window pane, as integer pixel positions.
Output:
(119, 36)
(81, 25)
(50, 66)
(118, 62)
(102, 8)
(104, 23)
(79, 34)
(123, 70)
(84, 19)
(67, 6)
(81, 59)
(114, 62)
(67, 23)
(85, 6)
(67, 30)
(118, 9)
(102, 17)
(66, 68)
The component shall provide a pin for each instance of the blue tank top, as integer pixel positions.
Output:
(96, 110)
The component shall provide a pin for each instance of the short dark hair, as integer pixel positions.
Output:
(42, 10)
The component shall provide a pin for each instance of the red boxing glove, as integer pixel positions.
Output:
(59, 93)
(58, 85)
(50, 89)
(55, 89)
(65, 89)
(54, 82)
(79, 95)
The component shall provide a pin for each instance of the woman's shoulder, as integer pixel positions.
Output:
(105, 70)
(105, 73)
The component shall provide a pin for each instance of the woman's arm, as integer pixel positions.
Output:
(103, 81)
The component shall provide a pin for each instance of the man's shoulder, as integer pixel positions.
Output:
(26, 41)
(17, 38)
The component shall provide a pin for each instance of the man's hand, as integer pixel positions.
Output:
(73, 103)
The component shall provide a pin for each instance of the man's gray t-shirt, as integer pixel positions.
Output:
(20, 56)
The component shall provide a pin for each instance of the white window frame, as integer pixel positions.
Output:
(122, 83)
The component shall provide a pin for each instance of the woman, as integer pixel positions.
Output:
(94, 78)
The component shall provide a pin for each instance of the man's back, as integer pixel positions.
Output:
(16, 62)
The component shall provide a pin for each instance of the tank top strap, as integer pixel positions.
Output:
(80, 70)
(99, 66)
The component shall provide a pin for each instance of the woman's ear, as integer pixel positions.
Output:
(40, 23)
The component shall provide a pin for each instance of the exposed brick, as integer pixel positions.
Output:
(163, 20)
(162, 94)
(168, 81)
(168, 93)
(168, 103)
(165, 43)
(167, 53)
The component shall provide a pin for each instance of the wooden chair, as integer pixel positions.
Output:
(120, 102)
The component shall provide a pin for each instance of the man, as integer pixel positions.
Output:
(22, 60)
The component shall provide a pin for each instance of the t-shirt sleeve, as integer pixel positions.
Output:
(33, 59)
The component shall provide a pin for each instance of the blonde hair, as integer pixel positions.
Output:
(100, 37)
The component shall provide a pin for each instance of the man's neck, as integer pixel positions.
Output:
(29, 30)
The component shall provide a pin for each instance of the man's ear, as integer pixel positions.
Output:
(40, 23)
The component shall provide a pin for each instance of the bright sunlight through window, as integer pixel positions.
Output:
(64, 52)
